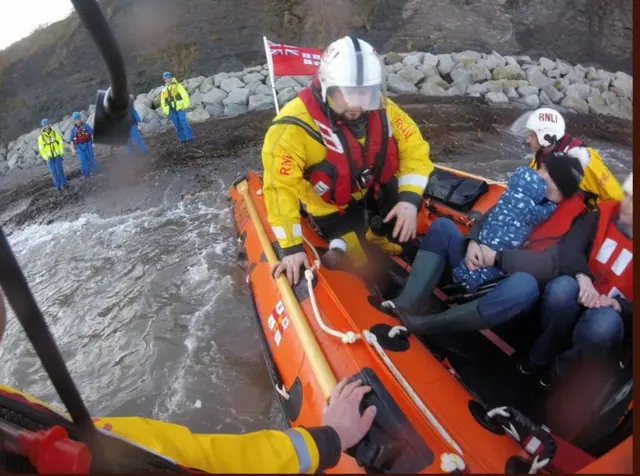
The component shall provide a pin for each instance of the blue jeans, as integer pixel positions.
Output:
(511, 297)
(595, 331)
(180, 122)
(87, 158)
(57, 172)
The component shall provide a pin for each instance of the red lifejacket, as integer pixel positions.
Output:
(348, 166)
(565, 144)
(80, 135)
(611, 258)
(550, 231)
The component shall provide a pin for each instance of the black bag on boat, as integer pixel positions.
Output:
(459, 193)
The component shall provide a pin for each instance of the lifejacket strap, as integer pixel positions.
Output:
(294, 121)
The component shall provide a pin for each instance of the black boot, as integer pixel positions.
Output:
(426, 271)
(462, 318)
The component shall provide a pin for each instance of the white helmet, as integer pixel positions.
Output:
(547, 123)
(352, 66)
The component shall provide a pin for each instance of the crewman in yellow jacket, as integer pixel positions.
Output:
(51, 149)
(174, 99)
(545, 128)
(297, 450)
(342, 149)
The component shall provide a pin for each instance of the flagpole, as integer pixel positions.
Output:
(267, 52)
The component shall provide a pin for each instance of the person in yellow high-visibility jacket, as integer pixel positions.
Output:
(51, 147)
(545, 128)
(174, 99)
(343, 149)
(297, 450)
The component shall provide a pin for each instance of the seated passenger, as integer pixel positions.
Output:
(444, 245)
(545, 129)
(509, 223)
(592, 299)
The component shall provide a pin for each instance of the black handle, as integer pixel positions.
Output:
(114, 106)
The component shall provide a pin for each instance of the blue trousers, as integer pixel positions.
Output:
(593, 331)
(183, 129)
(87, 158)
(511, 297)
(136, 139)
(472, 280)
(57, 172)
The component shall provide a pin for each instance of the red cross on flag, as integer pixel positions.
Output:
(289, 60)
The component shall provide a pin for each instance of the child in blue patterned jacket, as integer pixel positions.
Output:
(508, 224)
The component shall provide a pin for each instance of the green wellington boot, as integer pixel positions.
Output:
(462, 318)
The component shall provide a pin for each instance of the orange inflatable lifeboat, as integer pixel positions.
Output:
(433, 416)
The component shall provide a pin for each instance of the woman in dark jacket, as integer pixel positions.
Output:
(592, 298)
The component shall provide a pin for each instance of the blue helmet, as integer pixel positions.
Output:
(76, 116)
(45, 122)
(167, 75)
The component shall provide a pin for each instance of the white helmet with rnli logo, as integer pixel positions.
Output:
(546, 123)
(353, 67)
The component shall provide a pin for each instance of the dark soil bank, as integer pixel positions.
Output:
(58, 69)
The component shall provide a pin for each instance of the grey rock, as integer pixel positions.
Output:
(218, 78)
(303, 80)
(511, 93)
(445, 64)
(508, 72)
(411, 74)
(430, 60)
(251, 77)
(399, 85)
(532, 101)
(235, 109)
(413, 59)
(285, 82)
(237, 96)
(554, 95)
(286, 95)
(610, 98)
(467, 57)
(253, 86)
(456, 89)
(151, 127)
(545, 100)
(438, 81)
(198, 115)
(196, 100)
(230, 84)
(429, 70)
(479, 89)
(480, 73)
(546, 64)
(577, 91)
(263, 90)
(214, 96)
(537, 78)
(260, 103)
(577, 105)
(462, 74)
(392, 58)
(496, 98)
(215, 110)
(528, 91)
(563, 67)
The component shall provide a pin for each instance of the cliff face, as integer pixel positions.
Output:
(58, 69)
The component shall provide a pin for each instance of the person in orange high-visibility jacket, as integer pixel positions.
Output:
(174, 99)
(296, 450)
(337, 147)
(545, 129)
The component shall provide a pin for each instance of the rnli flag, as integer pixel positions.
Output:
(289, 60)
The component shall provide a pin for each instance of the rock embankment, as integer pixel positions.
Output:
(502, 81)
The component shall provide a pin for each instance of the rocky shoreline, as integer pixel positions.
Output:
(500, 81)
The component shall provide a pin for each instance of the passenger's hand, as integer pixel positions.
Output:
(606, 301)
(405, 214)
(291, 265)
(488, 256)
(342, 413)
(587, 296)
(474, 259)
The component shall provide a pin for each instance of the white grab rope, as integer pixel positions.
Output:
(351, 337)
